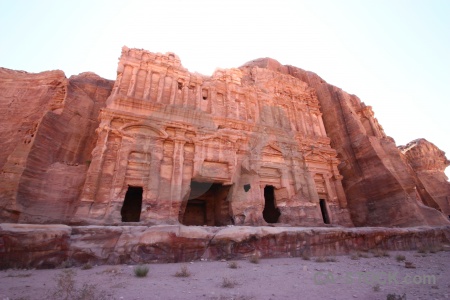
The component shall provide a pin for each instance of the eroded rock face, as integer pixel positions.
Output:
(47, 132)
(263, 143)
(380, 189)
(45, 246)
(244, 146)
(429, 163)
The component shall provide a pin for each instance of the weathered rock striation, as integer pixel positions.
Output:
(429, 163)
(263, 143)
(48, 246)
(381, 190)
(47, 133)
(244, 147)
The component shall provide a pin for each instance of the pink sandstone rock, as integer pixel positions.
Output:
(380, 189)
(244, 146)
(260, 144)
(47, 133)
(429, 163)
(46, 246)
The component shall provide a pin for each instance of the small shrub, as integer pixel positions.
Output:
(436, 249)
(363, 255)
(183, 272)
(400, 257)
(66, 289)
(66, 264)
(86, 266)
(254, 259)
(233, 265)
(380, 253)
(88, 292)
(141, 271)
(396, 297)
(320, 259)
(354, 256)
(65, 285)
(376, 288)
(305, 256)
(423, 249)
(228, 283)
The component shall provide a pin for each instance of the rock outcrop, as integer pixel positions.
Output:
(243, 147)
(429, 163)
(47, 133)
(46, 246)
(380, 189)
(263, 143)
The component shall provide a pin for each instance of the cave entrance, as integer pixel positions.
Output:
(323, 209)
(207, 205)
(270, 213)
(132, 204)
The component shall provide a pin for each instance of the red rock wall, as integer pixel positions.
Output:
(46, 246)
(24, 100)
(429, 163)
(164, 128)
(379, 185)
(48, 133)
(380, 189)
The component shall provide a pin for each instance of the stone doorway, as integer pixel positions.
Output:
(207, 205)
(323, 209)
(270, 213)
(132, 204)
(195, 213)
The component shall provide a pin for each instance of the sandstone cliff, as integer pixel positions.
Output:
(240, 147)
(47, 133)
(380, 189)
(261, 134)
(429, 163)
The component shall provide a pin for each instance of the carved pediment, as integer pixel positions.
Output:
(269, 172)
(315, 157)
(143, 130)
(272, 153)
(272, 150)
(216, 140)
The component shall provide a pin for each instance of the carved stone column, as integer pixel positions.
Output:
(160, 91)
(132, 86)
(173, 91)
(322, 127)
(340, 190)
(148, 85)
(314, 196)
(330, 190)
(91, 184)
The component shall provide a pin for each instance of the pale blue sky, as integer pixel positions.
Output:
(392, 54)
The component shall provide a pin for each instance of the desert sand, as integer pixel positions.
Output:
(357, 276)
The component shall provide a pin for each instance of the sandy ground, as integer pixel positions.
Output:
(282, 278)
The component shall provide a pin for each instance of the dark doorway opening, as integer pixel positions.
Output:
(195, 213)
(270, 212)
(323, 209)
(132, 205)
(207, 205)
